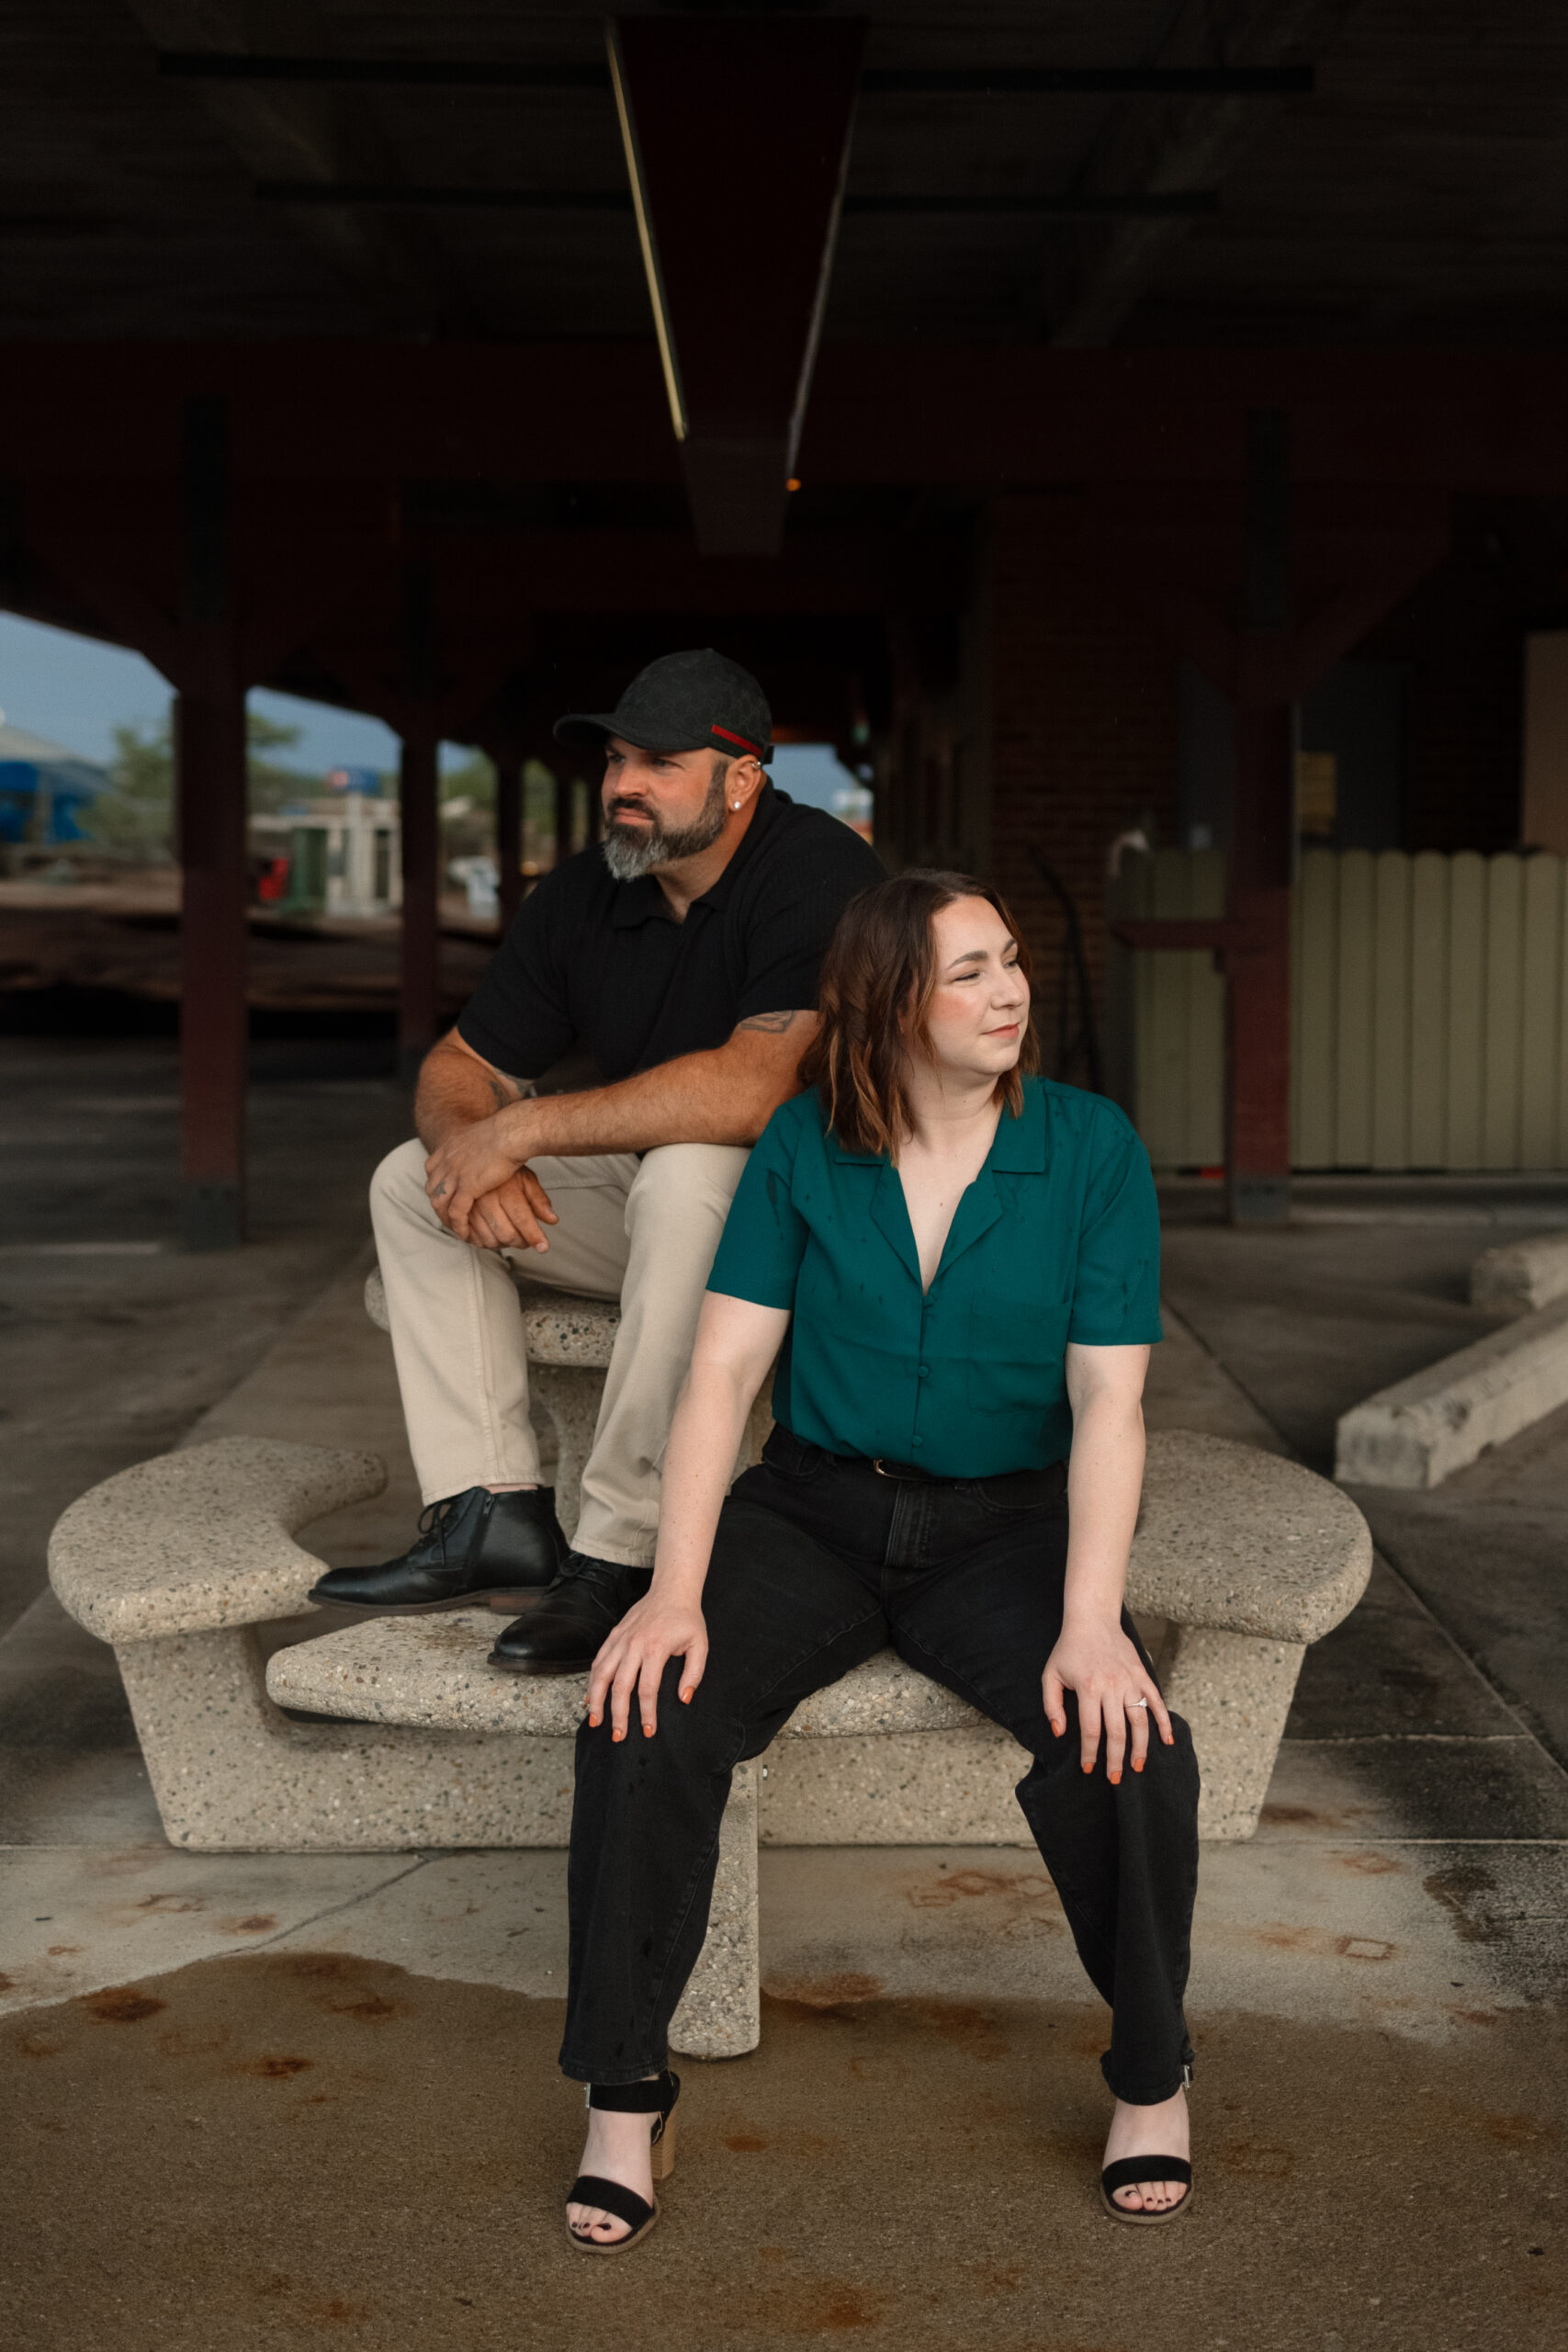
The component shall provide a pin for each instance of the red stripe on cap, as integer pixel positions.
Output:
(730, 737)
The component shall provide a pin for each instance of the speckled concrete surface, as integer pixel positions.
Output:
(202, 1538)
(378, 2154)
(298, 2147)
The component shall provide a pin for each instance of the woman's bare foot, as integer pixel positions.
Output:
(619, 2148)
(1160, 2130)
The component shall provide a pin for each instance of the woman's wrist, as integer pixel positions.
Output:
(680, 1584)
(1095, 1614)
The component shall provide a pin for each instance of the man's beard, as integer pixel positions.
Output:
(629, 855)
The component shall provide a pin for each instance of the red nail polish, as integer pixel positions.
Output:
(1138, 1765)
(1114, 1779)
(617, 1734)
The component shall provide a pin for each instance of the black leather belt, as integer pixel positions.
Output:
(1022, 1484)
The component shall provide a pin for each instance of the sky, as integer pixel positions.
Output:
(76, 692)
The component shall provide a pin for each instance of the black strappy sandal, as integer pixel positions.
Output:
(656, 2098)
(1128, 2171)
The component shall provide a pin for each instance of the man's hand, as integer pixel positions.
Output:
(474, 1164)
(510, 1216)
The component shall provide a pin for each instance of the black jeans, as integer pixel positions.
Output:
(818, 1563)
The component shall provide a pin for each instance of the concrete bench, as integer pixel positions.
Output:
(1246, 1558)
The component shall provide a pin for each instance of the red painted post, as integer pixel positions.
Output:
(1258, 992)
(419, 1001)
(564, 797)
(508, 767)
(1257, 976)
(210, 752)
(209, 755)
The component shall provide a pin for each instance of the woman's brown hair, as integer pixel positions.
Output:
(878, 978)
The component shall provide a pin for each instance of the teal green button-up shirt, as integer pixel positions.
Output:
(1056, 1239)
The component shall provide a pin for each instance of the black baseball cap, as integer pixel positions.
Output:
(684, 702)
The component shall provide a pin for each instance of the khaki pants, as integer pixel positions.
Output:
(642, 1231)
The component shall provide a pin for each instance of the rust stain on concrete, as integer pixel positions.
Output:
(123, 2005)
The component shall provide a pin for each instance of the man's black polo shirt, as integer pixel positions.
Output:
(604, 963)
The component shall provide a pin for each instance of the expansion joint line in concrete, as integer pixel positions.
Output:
(349, 1903)
(1234, 1377)
(1415, 1739)
(1509, 1706)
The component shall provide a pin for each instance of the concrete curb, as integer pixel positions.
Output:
(1519, 1277)
(1418, 1432)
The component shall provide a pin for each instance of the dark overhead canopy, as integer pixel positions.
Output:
(737, 139)
(1412, 193)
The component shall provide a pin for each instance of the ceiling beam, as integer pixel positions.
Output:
(736, 235)
(919, 81)
(1186, 142)
(318, 417)
(310, 134)
(1181, 204)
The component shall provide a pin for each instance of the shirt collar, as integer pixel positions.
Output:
(1019, 1146)
(643, 900)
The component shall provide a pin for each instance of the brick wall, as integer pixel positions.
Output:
(1082, 698)
(1462, 633)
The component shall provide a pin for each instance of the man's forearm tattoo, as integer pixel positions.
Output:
(773, 1024)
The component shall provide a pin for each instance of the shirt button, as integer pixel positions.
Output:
(917, 1442)
(922, 1371)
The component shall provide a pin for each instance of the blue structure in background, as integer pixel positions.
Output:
(43, 788)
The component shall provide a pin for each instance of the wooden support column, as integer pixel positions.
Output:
(209, 754)
(563, 810)
(508, 765)
(419, 993)
(1258, 973)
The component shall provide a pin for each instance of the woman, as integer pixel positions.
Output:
(961, 1266)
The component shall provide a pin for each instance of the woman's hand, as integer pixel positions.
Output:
(635, 1656)
(1101, 1667)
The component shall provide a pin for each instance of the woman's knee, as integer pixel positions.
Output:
(694, 1738)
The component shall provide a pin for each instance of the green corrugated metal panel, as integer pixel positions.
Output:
(1467, 1008)
(1430, 1012)
(1504, 1004)
(1391, 1011)
(1540, 991)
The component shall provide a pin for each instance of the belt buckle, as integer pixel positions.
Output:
(879, 1466)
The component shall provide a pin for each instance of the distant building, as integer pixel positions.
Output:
(43, 789)
(333, 857)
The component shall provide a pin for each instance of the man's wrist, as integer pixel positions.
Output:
(512, 1128)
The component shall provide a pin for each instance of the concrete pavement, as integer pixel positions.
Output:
(258, 2100)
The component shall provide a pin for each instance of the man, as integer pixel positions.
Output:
(683, 953)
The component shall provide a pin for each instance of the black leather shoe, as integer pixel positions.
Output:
(562, 1635)
(469, 1546)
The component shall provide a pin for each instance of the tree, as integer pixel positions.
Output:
(135, 817)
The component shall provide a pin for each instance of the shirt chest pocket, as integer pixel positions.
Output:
(1019, 1312)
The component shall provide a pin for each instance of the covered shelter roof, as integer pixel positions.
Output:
(1130, 172)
